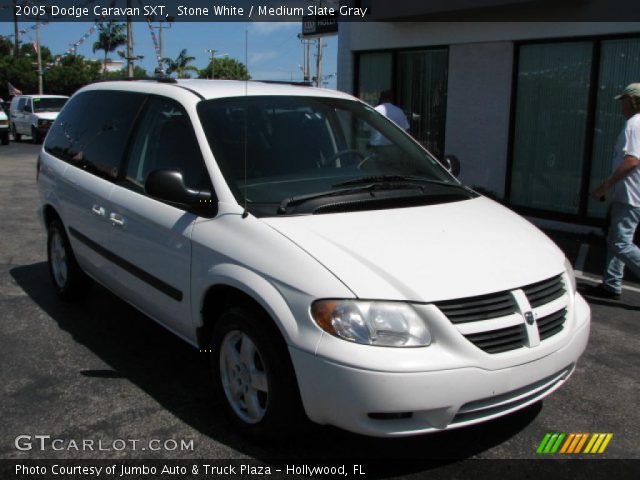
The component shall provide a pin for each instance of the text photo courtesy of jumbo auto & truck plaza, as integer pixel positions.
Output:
(318, 239)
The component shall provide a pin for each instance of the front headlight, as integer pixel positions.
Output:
(388, 324)
(571, 274)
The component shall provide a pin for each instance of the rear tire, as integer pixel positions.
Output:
(69, 281)
(253, 375)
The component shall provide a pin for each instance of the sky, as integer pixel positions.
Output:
(274, 51)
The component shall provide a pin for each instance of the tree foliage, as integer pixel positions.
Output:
(6, 46)
(20, 72)
(180, 65)
(29, 50)
(225, 69)
(111, 35)
(71, 73)
(138, 72)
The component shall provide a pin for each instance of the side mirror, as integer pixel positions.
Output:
(452, 164)
(168, 186)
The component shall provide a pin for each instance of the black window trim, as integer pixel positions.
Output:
(122, 181)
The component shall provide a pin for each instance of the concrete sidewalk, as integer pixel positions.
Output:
(587, 254)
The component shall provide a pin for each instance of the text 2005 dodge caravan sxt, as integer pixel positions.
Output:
(359, 283)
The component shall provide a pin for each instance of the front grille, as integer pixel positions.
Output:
(500, 340)
(544, 292)
(483, 307)
(551, 324)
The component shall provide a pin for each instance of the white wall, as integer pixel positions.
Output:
(354, 36)
(372, 36)
(478, 109)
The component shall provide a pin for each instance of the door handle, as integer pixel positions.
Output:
(98, 210)
(117, 220)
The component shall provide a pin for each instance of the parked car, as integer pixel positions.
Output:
(4, 126)
(33, 115)
(364, 286)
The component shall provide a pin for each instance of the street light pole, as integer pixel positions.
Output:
(129, 43)
(212, 54)
(16, 43)
(39, 56)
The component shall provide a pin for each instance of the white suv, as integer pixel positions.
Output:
(33, 115)
(362, 285)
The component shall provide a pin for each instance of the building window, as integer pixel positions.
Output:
(550, 126)
(422, 94)
(419, 80)
(619, 66)
(374, 76)
(566, 122)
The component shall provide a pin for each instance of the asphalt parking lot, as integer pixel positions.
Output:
(100, 370)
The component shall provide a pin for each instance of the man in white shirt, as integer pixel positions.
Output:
(625, 209)
(393, 113)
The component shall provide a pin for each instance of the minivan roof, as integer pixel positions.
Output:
(40, 96)
(210, 89)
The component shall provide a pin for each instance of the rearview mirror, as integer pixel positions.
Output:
(168, 186)
(452, 164)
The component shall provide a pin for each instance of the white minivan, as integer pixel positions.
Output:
(361, 285)
(33, 115)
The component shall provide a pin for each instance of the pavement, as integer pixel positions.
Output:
(100, 370)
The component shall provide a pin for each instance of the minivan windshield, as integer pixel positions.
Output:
(48, 104)
(300, 147)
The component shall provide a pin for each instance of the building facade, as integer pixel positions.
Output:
(527, 107)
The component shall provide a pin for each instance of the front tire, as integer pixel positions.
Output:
(69, 281)
(36, 137)
(16, 136)
(5, 138)
(253, 375)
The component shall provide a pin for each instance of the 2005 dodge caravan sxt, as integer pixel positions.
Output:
(359, 283)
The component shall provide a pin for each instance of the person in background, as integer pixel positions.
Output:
(393, 113)
(625, 208)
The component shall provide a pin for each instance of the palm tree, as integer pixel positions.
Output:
(112, 35)
(180, 65)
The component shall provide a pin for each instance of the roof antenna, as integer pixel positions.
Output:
(245, 214)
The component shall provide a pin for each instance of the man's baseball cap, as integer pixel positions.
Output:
(632, 90)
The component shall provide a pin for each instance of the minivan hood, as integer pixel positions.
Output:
(427, 253)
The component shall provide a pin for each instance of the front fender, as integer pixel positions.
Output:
(296, 328)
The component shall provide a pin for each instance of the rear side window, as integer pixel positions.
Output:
(92, 130)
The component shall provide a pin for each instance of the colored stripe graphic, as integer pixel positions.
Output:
(606, 441)
(598, 443)
(550, 443)
(543, 443)
(589, 443)
(567, 442)
(581, 443)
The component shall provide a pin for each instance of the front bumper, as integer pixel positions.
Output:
(421, 402)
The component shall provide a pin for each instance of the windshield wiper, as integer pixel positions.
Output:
(382, 179)
(297, 200)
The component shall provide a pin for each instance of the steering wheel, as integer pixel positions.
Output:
(347, 151)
